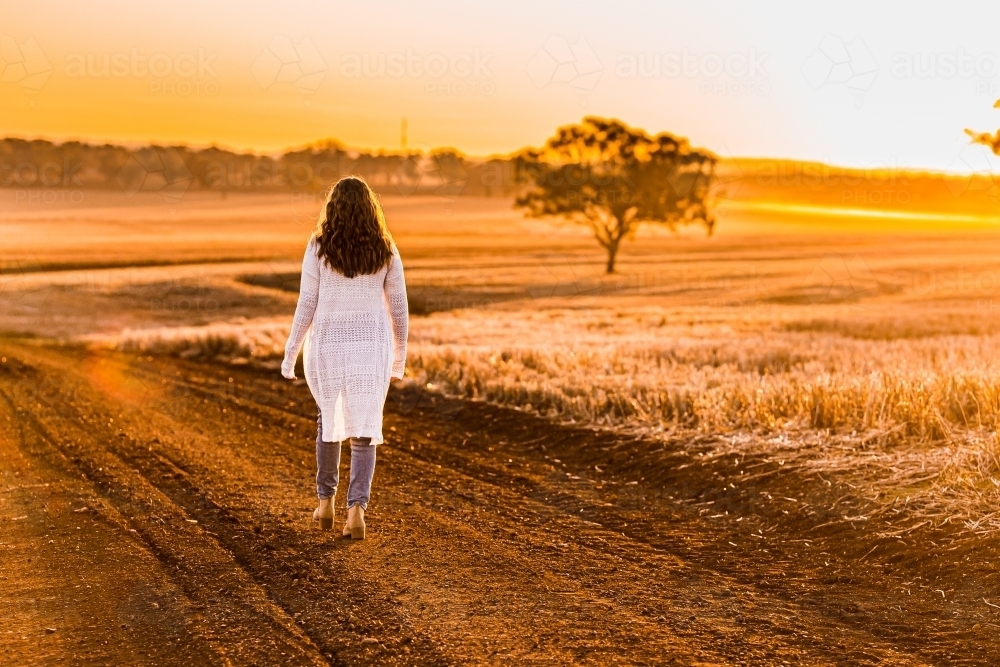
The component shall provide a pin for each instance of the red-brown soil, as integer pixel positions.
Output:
(157, 511)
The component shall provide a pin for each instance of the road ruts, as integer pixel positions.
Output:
(480, 549)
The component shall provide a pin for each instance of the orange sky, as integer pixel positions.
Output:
(854, 83)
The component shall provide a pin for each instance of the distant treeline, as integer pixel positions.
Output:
(75, 165)
(45, 170)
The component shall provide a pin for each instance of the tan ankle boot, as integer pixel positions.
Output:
(354, 527)
(324, 514)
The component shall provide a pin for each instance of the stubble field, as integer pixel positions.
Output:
(805, 410)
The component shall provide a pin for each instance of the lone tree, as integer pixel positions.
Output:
(613, 178)
(985, 138)
(992, 141)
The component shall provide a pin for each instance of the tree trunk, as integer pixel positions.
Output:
(612, 251)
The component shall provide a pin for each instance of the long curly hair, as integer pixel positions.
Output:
(351, 235)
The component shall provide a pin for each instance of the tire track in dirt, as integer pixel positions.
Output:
(59, 596)
(284, 564)
(232, 612)
(798, 595)
(99, 451)
(827, 591)
(591, 550)
(793, 614)
(474, 557)
(435, 595)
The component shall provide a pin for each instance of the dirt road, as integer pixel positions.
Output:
(157, 511)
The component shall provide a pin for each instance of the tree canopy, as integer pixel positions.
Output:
(614, 178)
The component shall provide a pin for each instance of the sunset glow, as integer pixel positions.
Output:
(857, 84)
(612, 332)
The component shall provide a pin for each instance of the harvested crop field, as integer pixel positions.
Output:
(521, 541)
(774, 446)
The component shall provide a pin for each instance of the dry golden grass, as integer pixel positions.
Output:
(634, 368)
(909, 420)
(233, 342)
(869, 356)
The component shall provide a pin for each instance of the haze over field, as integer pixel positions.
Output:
(704, 319)
(854, 83)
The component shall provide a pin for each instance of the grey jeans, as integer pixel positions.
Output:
(328, 468)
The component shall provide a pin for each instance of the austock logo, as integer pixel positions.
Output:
(837, 63)
(839, 279)
(565, 275)
(141, 609)
(50, 173)
(443, 175)
(410, 395)
(284, 61)
(29, 388)
(46, 182)
(981, 166)
(720, 73)
(184, 74)
(727, 177)
(24, 289)
(154, 169)
(460, 65)
(23, 64)
(559, 62)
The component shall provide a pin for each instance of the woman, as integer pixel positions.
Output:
(352, 318)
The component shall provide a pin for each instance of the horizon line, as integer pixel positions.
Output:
(135, 145)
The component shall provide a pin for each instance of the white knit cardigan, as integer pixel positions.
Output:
(354, 332)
